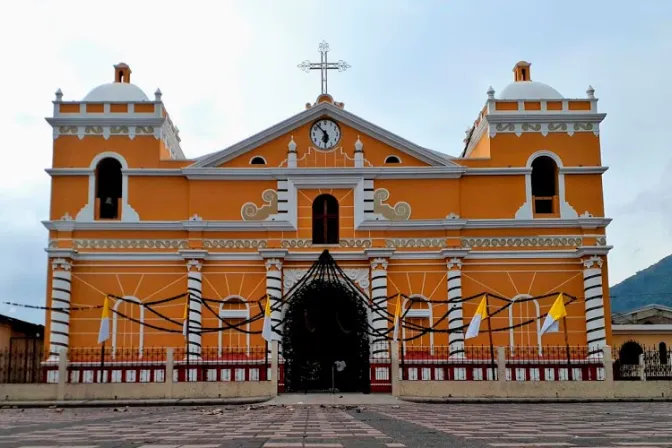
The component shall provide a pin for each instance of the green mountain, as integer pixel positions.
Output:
(653, 285)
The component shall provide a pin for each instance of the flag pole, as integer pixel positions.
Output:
(492, 347)
(569, 362)
(102, 362)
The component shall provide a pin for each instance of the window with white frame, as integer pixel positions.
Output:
(234, 310)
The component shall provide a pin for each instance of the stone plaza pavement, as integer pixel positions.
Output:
(618, 425)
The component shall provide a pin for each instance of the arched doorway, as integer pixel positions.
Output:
(325, 342)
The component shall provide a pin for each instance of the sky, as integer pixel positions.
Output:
(421, 69)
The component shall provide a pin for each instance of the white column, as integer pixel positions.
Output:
(274, 289)
(194, 289)
(59, 328)
(593, 290)
(455, 320)
(379, 317)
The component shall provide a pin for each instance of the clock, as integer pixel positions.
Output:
(325, 134)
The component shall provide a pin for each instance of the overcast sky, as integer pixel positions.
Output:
(227, 70)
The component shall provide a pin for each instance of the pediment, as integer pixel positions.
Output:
(283, 133)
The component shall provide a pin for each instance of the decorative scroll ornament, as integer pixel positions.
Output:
(415, 242)
(250, 211)
(379, 263)
(234, 244)
(534, 241)
(61, 263)
(130, 244)
(595, 260)
(454, 263)
(400, 212)
(194, 265)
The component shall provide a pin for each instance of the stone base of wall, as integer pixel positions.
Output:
(136, 391)
(538, 390)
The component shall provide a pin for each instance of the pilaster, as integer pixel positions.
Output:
(455, 317)
(274, 291)
(593, 291)
(379, 316)
(59, 325)
(195, 297)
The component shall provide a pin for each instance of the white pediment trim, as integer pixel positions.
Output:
(328, 110)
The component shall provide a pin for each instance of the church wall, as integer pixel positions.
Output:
(224, 199)
(581, 149)
(141, 152)
(68, 195)
(428, 198)
(159, 198)
(482, 148)
(491, 197)
(534, 278)
(584, 193)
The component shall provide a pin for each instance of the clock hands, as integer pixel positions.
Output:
(325, 135)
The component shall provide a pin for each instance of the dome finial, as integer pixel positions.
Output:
(522, 72)
(157, 95)
(491, 93)
(122, 73)
(590, 92)
(59, 96)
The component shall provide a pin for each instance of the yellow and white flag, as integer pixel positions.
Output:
(397, 318)
(557, 312)
(104, 332)
(185, 325)
(475, 324)
(267, 333)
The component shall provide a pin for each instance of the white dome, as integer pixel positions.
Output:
(116, 91)
(529, 90)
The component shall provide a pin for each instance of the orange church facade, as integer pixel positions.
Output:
(518, 213)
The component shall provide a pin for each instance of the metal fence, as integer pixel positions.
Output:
(480, 363)
(137, 365)
(634, 362)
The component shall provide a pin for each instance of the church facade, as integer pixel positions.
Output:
(518, 213)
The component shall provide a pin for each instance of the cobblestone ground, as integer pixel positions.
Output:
(618, 425)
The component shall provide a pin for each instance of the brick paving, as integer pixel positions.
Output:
(614, 425)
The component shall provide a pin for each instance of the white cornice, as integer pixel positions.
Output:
(206, 226)
(643, 328)
(323, 109)
(593, 250)
(497, 171)
(583, 169)
(105, 120)
(263, 226)
(153, 171)
(69, 171)
(434, 172)
(520, 254)
(587, 117)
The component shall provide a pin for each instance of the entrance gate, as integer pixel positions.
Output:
(325, 344)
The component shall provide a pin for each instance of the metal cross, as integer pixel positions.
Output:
(323, 65)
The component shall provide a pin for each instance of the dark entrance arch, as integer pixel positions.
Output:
(325, 342)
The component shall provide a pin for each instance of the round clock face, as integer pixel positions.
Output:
(325, 134)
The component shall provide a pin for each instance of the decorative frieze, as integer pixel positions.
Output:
(365, 243)
(234, 244)
(129, 244)
(303, 243)
(360, 277)
(416, 242)
(544, 129)
(531, 241)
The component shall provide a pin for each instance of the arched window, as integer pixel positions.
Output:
(544, 185)
(257, 160)
(392, 159)
(108, 189)
(125, 332)
(418, 317)
(520, 311)
(662, 351)
(234, 310)
(325, 220)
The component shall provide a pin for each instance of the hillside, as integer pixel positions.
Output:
(652, 285)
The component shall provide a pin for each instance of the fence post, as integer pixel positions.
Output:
(169, 372)
(501, 364)
(394, 368)
(275, 366)
(608, 364)
(642, 371)
(62, 374)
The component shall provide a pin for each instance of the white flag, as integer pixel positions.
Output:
(267, 333)
(475, 324)
(104, 332)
